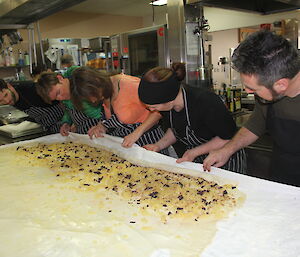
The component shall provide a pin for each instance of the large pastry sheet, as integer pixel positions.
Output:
(268, 223)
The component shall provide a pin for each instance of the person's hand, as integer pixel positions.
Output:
(65, 129)
(130, 139)
(97, 131)
(152, 147)
(188, 156)
(73, 128)
(216, 158)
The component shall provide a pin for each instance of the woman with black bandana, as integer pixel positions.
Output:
(195, 117)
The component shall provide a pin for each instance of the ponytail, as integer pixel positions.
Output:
(179, 69)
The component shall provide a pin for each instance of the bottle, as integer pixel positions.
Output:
(20, 58)
(224, 95)
(215, 88)
(230, 98)
(12, 58)
(26, 58)
(1, 60)
(238, 96)
(231, 101)
(6, 58)
(17, 76)
(22, 75)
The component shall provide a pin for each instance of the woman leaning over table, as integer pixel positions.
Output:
(195, 117)
(52, 86)
(126, 116)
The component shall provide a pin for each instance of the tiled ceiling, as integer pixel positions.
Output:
(138, 8)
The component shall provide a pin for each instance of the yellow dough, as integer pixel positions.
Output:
(76, 191)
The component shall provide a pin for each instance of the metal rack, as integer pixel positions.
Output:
(32, 51)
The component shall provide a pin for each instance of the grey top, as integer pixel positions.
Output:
(287, 108)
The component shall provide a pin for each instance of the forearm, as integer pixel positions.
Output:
(167, 140)
(213, 144)
(152, 120)
(242, 138)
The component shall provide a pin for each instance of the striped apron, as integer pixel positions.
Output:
(236, 163)
(119, 129)
(48, 117)
(82, 122)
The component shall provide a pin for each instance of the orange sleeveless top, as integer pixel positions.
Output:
(127, 106)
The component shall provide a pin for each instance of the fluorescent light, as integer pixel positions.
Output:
(159, 2)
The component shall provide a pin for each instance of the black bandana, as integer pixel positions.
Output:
(159, 92)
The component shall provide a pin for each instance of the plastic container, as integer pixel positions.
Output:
(26, 58)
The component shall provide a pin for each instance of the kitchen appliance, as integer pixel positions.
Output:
(10, 114)
(98, 54)
(56, 47)
(14, 124)
(188, 42)
(24, 128)
(136, 51)
(98, 44)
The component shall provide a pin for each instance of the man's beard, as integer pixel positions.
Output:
(275, 97)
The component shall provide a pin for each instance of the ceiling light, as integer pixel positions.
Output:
(159, 2)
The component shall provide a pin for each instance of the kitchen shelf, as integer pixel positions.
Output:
(13, 67)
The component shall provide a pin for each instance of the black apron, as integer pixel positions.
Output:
(236, 163)
(82, 122)
(285, 164)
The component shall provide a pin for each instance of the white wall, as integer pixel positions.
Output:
(67, 24)
(159, 18)
(224, 26)
(221, 42)
(221, 19)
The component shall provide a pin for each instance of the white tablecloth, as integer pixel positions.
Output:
(267, 225)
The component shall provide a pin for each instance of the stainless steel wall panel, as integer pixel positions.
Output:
(176, 31)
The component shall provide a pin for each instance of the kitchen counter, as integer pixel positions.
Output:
(7, 140)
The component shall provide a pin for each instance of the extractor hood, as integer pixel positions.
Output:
(258, 6)
(28, 11)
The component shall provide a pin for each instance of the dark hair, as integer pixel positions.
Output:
(66, 59)
(3, 84)
(268, 56)
(45, 83)
(37, 69)
(159, 74)
(87, 82)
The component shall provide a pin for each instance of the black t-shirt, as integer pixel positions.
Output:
(28, 97)
(48, 115)
(207, 114)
